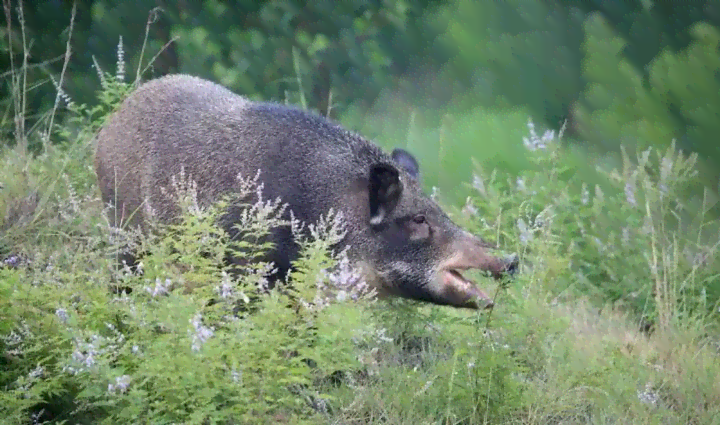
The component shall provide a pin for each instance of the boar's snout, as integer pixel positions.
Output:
(470, 252)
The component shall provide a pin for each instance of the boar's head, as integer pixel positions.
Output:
(416, 250)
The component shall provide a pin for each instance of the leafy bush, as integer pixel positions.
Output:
(172, 349)
(631, 244)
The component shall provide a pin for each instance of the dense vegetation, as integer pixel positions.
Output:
(613, 318)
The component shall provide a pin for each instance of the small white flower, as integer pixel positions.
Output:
(160, 287)
(478, 184)
(120, 60)
(425, 387)
(469, 209)
(630, 192)
(435, 193)
(648, 396)
(525, 234)
(37, 372)
(534, 142)
(585, 195)
(61, 313)
(625, 235)
(598, 193)
(549, 136)
(599, 243)
(121, 384)
(202, 332)
(341, 296)
(225, 290)
(236, 375)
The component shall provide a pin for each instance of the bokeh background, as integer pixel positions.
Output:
(450, 80)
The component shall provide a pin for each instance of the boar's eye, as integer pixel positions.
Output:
(419, 227)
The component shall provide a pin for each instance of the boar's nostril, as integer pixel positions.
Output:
(489, 304)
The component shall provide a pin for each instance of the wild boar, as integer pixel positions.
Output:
(401, 239)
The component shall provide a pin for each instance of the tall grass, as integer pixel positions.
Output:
(613, 318)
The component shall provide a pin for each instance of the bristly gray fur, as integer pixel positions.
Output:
(181, 122)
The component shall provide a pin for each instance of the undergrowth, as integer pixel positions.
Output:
(612, 318)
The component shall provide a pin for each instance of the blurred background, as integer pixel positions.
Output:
(450, 80)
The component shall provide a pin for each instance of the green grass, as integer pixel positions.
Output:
(564, 344)
(452, 141)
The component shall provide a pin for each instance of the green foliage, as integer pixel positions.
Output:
(33, 187)
(515, 54)
(191, 340)
(676, 103)
(555, 63)
(106, 356)
(343, 50)
(667, 26)
(633, 243)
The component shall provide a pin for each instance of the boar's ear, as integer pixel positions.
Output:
(407, 161)
(385, 189)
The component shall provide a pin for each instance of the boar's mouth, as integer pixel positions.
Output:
(461, 291)
(469, 253)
